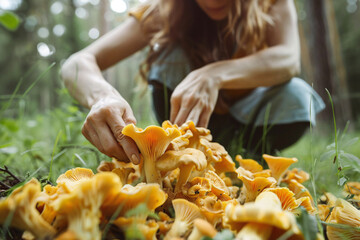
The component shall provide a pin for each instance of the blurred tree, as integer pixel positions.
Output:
(324, 59)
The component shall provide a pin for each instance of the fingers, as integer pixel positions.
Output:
(198, 111)
(174, 109)
(102, 138)
(130, 148)
(204, 117)
(103, 128)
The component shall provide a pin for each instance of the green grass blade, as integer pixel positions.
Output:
(53, 154)
(38, 79)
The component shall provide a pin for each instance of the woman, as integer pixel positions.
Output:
(227, 65)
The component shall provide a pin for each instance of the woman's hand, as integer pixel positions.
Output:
(195, 98)
(103, 126)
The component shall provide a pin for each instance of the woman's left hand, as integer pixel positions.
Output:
(195, 98)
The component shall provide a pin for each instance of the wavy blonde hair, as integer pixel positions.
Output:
(182, 23)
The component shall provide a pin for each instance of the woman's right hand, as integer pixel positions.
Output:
(103, 126)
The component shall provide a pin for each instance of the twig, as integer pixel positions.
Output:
(4, 186)
(6, 170)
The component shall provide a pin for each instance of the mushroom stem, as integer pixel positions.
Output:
(185, 171)
(255, 231)
(151, 173)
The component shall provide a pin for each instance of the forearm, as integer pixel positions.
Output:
(82, 77)
(268, 67)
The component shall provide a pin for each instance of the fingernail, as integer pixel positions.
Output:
(135, 159)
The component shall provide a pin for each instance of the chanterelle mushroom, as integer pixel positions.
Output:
(202, 229)
(185, 214)
(253, 187)
(152, 143)
(81, 207)
(257, 220)
(278, 165)
(19, 206)
(346, 214)
(186, 160)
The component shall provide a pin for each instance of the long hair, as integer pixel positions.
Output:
(182, 23)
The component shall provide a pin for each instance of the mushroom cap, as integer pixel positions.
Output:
(106, 166)
(180, 142)
(296, 174)
(352, 188)
(346, 214)
(20, 206)
(299, 190)
(242, 172)
(81, 207)
(185, 214)
(307, 204)
(198, 186)
(173, 159)
(74, 176)
(265, 210)
(152, 140)
(249, 164)
(128, 197)
(287, 199)
(218, 186)
(211, 208)
(253, 187)
(152, 143)
(226, 164)
(278, 165)
(198, 132)
(323, 211)
(201, 229)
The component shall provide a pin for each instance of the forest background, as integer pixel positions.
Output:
(40, 124)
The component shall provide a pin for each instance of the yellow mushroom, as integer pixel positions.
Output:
(307, 204)
(249, 164)
(186, 160)
(81, 207)
(49, 194)
(300, 190)
(353, 188)
(278, 165)
(286, 197)
(180, 142)
(323, 211)
(73, 177)
(19, 208)
(211, 208)
(131, 171)
(345, 214)
(198, 133)
(299, 175)
(202, 229)
(147, 228)
(152, 143)
(259, 219)
(218, 186)
(253, 187)
(106, 166)
(197, 187)
(185, 214)
(130, 197)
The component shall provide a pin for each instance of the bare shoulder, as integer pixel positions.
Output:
(284, 29)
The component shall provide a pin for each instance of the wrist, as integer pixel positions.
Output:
(209, 72)
(102, 94)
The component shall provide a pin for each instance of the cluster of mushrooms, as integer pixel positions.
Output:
(189, 188)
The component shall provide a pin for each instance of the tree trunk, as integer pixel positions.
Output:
(341, 83)
(324, 73)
